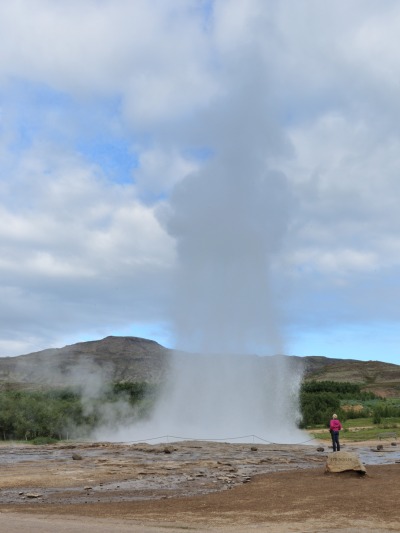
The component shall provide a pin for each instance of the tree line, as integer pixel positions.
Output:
(320, 399)
(65, 413)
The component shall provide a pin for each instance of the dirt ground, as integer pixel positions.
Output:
(196, 486)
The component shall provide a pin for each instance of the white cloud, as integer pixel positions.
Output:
(154, 55)
(160, 169)
(308, 88)
(69, 237)
(373, 47)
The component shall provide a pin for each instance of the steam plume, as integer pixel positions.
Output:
(229, 221)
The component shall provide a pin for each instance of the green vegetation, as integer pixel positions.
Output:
(365, 415)
(47, 416)
(385, 410)
(319, 399)
(361, 429)
(64, 413)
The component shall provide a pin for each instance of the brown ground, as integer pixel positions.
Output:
(195, 486)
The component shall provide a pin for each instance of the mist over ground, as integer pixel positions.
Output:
(213, 397)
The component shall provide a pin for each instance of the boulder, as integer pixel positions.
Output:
(77, 457)
(343, 461)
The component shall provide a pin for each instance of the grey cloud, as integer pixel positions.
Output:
(82, 255)
(298, 111)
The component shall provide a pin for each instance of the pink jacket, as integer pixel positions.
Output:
(335, 425)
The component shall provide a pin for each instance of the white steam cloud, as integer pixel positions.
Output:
(229, 220)
(226, 240)
(225, 309)
(230, 398)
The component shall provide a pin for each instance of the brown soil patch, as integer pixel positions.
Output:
(194, 486)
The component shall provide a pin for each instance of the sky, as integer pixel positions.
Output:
(210, 174)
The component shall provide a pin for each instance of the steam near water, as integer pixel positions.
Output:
(229, 398)
(229, 222)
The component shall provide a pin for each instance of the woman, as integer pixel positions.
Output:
(334, 427)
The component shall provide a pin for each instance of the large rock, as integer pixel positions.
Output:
(342, 461)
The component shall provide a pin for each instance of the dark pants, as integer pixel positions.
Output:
(335, 441)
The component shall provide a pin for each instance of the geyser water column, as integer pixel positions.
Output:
(230, 398)
(229, 221)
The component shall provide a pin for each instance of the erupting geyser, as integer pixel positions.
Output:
(229, 220)
(228, 224)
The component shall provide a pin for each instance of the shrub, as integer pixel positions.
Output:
(43, 440)
(320, 399)
(61, 413)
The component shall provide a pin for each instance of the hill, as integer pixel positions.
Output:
(381, 378)
(109, 359)
(137, 359)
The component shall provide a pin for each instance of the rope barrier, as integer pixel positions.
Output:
(226, 439)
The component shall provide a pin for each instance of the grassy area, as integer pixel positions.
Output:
(360, 429)
(358, 423)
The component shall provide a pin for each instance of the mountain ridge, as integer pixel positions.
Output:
(137, 359)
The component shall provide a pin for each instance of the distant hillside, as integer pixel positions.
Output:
(381, 378)
(109, 359)
(136, 359)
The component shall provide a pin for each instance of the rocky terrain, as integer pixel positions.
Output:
(191, 485)
(197, 486)
(137, 359)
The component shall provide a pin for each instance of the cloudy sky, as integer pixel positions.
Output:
(218, 174)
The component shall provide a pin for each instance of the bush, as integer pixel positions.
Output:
(385, 409)
(61, 413)
(320, 399)
(43, 440)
